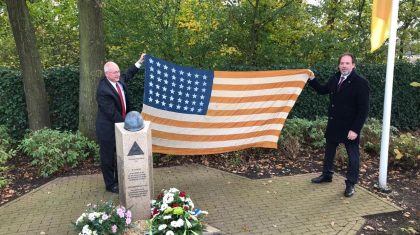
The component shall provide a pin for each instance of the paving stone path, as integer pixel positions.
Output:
(236, 205)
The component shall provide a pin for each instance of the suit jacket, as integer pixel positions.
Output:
(349, 105)
(109, 105)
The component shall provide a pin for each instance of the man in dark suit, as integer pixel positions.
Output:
(113, 104)
(347, 112)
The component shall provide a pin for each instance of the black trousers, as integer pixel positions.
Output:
(108, 162)
(352, 148)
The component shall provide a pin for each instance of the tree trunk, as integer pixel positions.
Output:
(92, 58)
(30, 64)
(254, 31)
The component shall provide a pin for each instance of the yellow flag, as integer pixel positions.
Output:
(381, 19)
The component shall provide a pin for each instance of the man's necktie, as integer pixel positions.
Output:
(121, 99)
(340, 82)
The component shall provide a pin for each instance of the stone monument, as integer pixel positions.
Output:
(135, 165)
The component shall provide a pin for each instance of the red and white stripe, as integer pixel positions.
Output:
(246, 109)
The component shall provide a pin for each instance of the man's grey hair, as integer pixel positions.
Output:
(106, 66)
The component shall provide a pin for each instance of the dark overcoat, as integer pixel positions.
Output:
(109, 105)
(349, 105)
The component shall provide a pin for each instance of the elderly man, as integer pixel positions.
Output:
(113, 104)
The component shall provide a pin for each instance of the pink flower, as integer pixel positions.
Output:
(114, 228)
(120, 212)
(128, 214)
(128, 221)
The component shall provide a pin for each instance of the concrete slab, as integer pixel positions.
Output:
(236, 205)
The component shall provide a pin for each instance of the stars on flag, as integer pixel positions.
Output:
(176, 88)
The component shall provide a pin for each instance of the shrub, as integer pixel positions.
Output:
(6, 152)
(316, 132)
(293, 135)
(52, 150)
(405, 150)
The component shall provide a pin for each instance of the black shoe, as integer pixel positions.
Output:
(349, 190)
(113, 189)
(321, 179)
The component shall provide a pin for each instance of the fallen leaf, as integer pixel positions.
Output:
(368, 227)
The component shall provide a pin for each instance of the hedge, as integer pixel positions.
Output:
(63, 86)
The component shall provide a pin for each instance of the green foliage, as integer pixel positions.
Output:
(62, 84)
(209, 34)
(52, 150)
(299, 132)
(405, 103)
(6, 152)
(12, 102)
(405, 149)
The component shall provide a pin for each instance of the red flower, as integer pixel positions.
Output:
(186, 207)
(160, 196)
(155, 211)
(174, 205)
(182, 194)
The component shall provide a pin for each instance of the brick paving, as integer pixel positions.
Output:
(236, 205)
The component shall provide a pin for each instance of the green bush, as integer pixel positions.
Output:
(6, 152)
(405, 150)
(316, 132)
(293, 135)
(299, 132)
(52, 150)
(62, 85)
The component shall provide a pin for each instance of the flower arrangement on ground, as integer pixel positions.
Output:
(173, 213)
(105, 218)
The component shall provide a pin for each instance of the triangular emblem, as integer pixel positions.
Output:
(135, 150)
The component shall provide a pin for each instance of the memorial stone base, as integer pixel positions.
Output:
(135, 169)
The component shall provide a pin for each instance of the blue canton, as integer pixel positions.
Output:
(176, 88)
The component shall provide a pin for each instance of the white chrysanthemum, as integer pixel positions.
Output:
(164, 206)
(168, 198)
(86, 230)
(169, 233)
(173, 190)
(162, 227)
(180, 222)
(167, 217)
(174, 224)
(153, 202)
(177, 224)
(80, 218)
(95, 233)
(91, 216)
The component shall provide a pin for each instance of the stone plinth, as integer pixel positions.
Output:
(135, 169)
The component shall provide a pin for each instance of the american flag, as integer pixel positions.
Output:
(196, 112)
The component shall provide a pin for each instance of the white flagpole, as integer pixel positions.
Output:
(386, 122)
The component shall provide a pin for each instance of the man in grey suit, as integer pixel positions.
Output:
(347, 112)
(113, 104)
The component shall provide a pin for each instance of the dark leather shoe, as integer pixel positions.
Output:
(321, 179)
(349, 190)
(113, 189)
